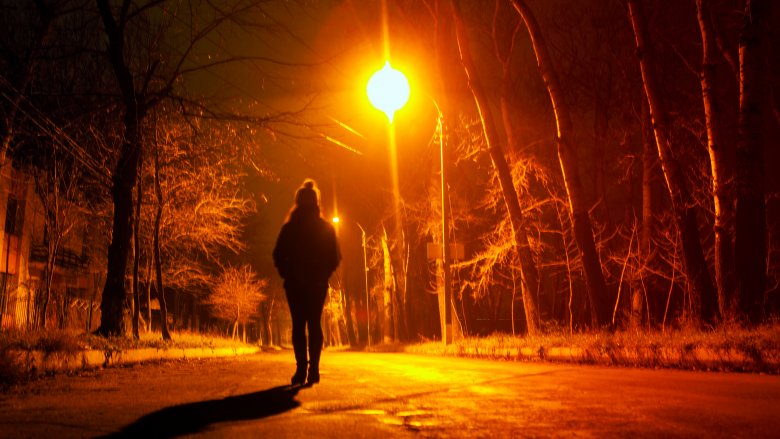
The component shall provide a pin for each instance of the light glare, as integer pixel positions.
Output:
(388, 90)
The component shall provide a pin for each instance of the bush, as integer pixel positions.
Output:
(11, 372)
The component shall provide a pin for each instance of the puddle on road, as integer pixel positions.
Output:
(412, 419)
(407, 414)
(486, 390)
(369, 412)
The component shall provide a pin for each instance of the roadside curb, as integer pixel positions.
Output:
(40, 362)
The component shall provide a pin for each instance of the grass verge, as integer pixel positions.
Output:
(725, 349)
(17, 369)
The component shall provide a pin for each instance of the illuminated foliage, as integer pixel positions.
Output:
(237, 295)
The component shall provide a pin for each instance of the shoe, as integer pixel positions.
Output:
(314, 375)
(299, 378)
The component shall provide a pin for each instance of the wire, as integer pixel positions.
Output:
(57, 134)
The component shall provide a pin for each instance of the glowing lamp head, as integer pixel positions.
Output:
(388, 90)
(336, 220)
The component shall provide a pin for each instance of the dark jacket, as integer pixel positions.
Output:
(306, 251)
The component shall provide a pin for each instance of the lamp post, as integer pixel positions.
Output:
(445, 237)
(337, 220)
(388, 90)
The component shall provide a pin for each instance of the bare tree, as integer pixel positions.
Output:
(145, 77)
(702, 290)
(530, 275)
(567, 156)
(199, 205)
(721, 169)
(236, 297)
(57, 186)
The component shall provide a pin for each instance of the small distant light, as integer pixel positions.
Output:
(336, 219)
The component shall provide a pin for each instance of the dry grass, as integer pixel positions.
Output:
(61, 344)
(13, 370)
(180, 340)
(727, 348)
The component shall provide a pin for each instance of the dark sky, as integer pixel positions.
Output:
(329, 52)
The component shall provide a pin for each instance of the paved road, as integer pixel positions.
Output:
(392, 395)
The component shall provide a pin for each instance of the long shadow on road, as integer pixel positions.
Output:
(197, 416)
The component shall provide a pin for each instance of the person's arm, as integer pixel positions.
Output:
(281, 253)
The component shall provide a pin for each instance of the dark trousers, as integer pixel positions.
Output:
(306, 310)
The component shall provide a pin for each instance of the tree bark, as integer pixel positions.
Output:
(751, 230)
(268, 321)
(649, 159)
(567, 157)
(388, 292)
(148, 298)
(352, 334)
(703, 293)
(124, 177)
(137, 259)
(347, 305)
(157, 260)
(722, 172)
(528, 269)
(48, 273)
(648, 228)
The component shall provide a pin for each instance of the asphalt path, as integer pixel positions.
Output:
(391, 395)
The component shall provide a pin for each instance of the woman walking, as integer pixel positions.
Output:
(306, 254)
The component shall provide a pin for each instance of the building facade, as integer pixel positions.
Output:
(73, 298)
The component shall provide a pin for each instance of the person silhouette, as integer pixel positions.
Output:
(305, 255)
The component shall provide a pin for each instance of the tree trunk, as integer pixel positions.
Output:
(751, 231)
(649, 160)
(269, 320)
(529, 272)
(157, 262)
(92, 301)
(123, 180)
(46, 293)
(722, 172)
(389, 286)
(702, 290)
(567, 157)
(347, 304)
(351, 333)
(648, 228)
(48, 272)
(149, 281)
(137, 259)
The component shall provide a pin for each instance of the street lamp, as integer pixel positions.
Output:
(388, 90)
(337, 220)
